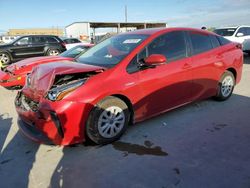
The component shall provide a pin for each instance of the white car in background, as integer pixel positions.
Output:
(72, 42)
(239, 34)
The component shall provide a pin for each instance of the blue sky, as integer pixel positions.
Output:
(48, 13)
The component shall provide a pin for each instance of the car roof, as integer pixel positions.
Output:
(70, 38)
(38, 36)
(233, 27)
(153, 31)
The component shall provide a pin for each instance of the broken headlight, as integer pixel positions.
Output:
(58, 93)
(28, 80)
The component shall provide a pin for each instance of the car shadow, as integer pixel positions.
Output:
(191, 138)
(5, 126)
(246, 59)
(17, 155)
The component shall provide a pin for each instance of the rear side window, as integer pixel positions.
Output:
(172, 45)
(200, 42)
(214, 41)
(223, 41)
(248, 30)
(51, 40)
(38, 40)
(242, 30)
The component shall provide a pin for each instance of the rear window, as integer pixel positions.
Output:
(51, 40)
(75, 41)
(223, 41)
(215, 41)
(71, 41)
(225, 32)
(67, 41)
(200, 42)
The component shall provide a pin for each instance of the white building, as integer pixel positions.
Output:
(88, 30)
(7, 39)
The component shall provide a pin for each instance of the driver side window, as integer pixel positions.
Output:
(23, 41)
(172, 45)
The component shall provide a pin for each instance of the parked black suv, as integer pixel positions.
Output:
(31, 46)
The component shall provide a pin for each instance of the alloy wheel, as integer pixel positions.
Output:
(4, 58)
(227, 86)
(53, 52)
(111, 122)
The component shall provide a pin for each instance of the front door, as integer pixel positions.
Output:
(165, 86)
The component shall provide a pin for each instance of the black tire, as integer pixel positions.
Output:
(53, 52)
(220, 95)
(7, 58)
(92, 130)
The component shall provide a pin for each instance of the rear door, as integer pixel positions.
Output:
(206, 64)
(165, 86)
(38, 43)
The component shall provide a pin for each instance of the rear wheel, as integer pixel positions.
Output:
(53, 52)
(108, 120)
(226, 86)
(4, 58)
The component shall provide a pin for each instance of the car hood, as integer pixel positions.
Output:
(5, 45)
(43, 76)
(34, 61)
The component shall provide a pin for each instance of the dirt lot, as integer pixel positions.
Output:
(203, 145)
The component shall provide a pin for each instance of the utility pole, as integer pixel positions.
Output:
(126, 14)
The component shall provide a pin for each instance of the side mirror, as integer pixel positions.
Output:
(239, 35)
(155, 59)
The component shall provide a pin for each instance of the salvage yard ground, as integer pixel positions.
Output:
(203, 145)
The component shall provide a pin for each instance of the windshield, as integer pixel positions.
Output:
(75, 51)
(112, 50)
(225, 32)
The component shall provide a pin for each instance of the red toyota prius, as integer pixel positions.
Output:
(126, 79)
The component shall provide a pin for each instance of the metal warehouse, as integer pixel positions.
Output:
(87, 30)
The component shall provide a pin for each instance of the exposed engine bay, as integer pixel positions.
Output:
(61, 80)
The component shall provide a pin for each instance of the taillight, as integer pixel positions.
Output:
(238, 45)
(63, 44)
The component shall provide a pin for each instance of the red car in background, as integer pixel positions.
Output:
(14, 76)
(126, 79)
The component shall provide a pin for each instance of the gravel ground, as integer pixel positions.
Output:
(203, 145)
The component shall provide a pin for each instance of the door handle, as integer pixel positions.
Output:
(186, 66)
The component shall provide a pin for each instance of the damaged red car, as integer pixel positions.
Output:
(14, 75)
(126, 79)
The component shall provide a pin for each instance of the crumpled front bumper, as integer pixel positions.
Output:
(32, 132)
(8, 80)
(62, 122)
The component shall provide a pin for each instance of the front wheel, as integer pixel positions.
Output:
(226, 86)
(53, 52)
(108, 120)
(4, 58)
